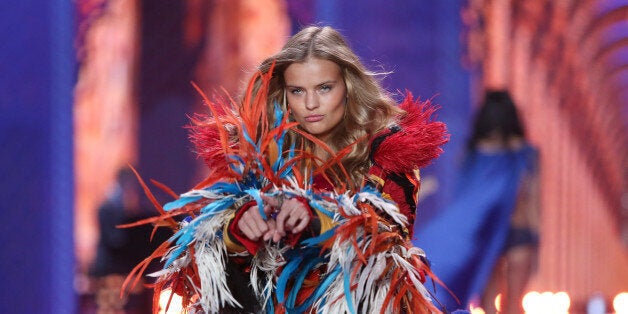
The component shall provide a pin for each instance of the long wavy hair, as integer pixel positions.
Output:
(370, 108)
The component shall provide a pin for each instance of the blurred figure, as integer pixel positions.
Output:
(120, 249)
(498, 130)
(484, 243)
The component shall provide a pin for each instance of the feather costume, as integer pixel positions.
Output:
(361, 260)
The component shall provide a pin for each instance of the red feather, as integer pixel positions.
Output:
(417, 143)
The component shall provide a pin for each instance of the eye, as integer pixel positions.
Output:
(295, 90)
(325, 88)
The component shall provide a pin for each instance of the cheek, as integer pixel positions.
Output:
(292, 103)
(293, 111)
(338, 107)
(297, 106)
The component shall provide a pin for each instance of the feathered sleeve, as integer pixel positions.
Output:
(398, 152)
(414, 142)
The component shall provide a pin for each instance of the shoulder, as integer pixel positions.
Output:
(411, 142)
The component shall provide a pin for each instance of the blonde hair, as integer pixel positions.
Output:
(369, 107)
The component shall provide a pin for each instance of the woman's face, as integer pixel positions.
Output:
(316, 94)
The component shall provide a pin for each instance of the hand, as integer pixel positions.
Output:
(293, 216)
(253, 225)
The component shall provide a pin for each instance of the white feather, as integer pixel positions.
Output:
(265, 264)
(210, 255)
(384, 205)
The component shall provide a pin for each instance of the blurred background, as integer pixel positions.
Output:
(88, 87)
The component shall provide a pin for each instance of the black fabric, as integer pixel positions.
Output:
(407, 186)
(238, 281)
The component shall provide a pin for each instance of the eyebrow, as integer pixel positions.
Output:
(319, 84)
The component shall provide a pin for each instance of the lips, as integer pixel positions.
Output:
(314, 118)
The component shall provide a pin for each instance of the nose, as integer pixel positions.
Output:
(311, 101)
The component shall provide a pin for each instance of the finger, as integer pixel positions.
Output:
(271, 201)
(272, 224)
(258, 220)
(257, 233)
(277, 236)
(244, 228)
(255, 230)
(281, 218)
(269, 234)
(295, 216)
(254, 222)
(272, 231)
(301, 226)
(289, 224)
(261, 224)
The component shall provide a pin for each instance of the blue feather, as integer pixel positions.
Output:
(237, 167)
(279, 137)
(247, 137)
(280, 161)
(270, 308)
(181, 202)
(320, 208)
(305, 269)
(319, 239)
(237, 158)
(278, 115)
(184, 237)
(286, 273)
(251, 181)
(217, 206)
(320, 290)
(288, 171)
(255, 193)
(347, 286)
(226, 188)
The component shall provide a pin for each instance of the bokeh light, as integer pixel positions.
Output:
(547, 302)
(175, 306)
(620, 303)
(498, 302)
(476, 310)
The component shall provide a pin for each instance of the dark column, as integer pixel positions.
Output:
(36, 181)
